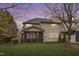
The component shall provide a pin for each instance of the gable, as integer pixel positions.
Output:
(33, 28)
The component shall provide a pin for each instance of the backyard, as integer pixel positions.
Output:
(37, 49)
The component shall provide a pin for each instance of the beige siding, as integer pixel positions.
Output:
(33, 29)
(29, 25)
(73, 39)
(51, 32)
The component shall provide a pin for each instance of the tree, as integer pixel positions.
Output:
(66, 13)
(8, 26)
(1, 30)
(7, 21)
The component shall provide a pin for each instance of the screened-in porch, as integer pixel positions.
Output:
(32, 36)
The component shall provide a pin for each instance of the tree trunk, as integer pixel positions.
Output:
(69, 37)
(67, 44)
(69, 30)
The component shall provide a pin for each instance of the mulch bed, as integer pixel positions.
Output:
(70, 47)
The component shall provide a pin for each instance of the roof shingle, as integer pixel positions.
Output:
(39, 20)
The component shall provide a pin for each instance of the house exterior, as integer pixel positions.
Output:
(43, 30)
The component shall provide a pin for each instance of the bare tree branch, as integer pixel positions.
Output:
(65, 12)
(12, 6)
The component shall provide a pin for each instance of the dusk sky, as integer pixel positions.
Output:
(26, 12)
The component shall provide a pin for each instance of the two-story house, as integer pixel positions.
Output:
(43, 30)
(40, 30)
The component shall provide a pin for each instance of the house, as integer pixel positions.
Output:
(43, 30)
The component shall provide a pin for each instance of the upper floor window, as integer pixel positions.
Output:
(53, 25)
(28, 25)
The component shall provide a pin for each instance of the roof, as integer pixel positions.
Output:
(39, 20)
(33, 27)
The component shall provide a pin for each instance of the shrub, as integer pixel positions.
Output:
(1, 42)
(14, 40)
(62, 37)
(6, 40)
(1, 30)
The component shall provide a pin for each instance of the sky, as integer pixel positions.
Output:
(26, 11)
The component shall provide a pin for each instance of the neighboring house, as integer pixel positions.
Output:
(43, 30)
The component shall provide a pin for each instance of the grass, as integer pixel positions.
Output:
(37, 49)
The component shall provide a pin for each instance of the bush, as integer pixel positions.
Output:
(6, 40)
(1, 30)
(14, 40)
(1, 42)
(62, 37)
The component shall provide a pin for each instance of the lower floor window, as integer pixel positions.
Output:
(52, 35)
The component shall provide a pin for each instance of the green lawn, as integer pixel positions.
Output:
(37, 49)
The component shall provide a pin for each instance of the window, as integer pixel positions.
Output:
(52, 35)
(28, 25)
(53, 24)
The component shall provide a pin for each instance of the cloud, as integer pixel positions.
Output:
(19, 23)
(24, 14)
(28, 11)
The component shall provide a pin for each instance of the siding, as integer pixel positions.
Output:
(33, 29)
(51, 33)
(77, 37)
(73, 39)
